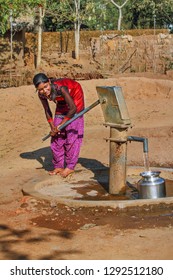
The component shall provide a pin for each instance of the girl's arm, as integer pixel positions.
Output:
(48, 114)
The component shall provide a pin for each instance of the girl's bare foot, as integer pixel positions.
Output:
(56, 171)
(66, 172)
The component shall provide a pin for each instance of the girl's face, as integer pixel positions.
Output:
(45, 89)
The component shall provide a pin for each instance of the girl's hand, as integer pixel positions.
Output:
(53, 131)
(57, 128)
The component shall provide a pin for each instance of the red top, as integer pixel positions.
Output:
(75, 91)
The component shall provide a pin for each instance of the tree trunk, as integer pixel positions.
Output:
(119, 19)
(120, 11)
(77, 40)
(39, 47)
(77, 24)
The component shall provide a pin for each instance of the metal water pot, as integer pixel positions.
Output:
(151, 185)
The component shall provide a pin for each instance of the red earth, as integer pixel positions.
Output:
(31, 228)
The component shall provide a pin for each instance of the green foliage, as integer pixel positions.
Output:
(17, 8)
(62, 15)
(94, 15)
(142, 14)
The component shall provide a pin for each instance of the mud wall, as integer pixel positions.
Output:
(126, 53)
(111, 51)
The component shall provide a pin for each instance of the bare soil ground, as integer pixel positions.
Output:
(36, 229)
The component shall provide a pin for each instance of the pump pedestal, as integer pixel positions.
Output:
(117, 118)
(117, 160)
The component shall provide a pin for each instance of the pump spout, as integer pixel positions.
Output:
(140, 139)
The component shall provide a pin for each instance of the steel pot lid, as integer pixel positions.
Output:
(150, 174)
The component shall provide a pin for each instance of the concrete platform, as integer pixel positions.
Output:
(89, 188)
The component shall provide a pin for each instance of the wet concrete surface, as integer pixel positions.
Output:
(91, 188)
(72, 204)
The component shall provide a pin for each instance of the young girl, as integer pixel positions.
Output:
(69, 98)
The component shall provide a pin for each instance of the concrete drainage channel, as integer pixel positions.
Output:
(89, 188)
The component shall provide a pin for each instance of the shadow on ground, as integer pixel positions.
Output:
(12, 241)
(44, 157)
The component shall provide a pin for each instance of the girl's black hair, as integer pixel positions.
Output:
(40, 78)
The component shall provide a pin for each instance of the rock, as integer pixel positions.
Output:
(87, 226)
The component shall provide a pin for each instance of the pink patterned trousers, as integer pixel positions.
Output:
(66, 146)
